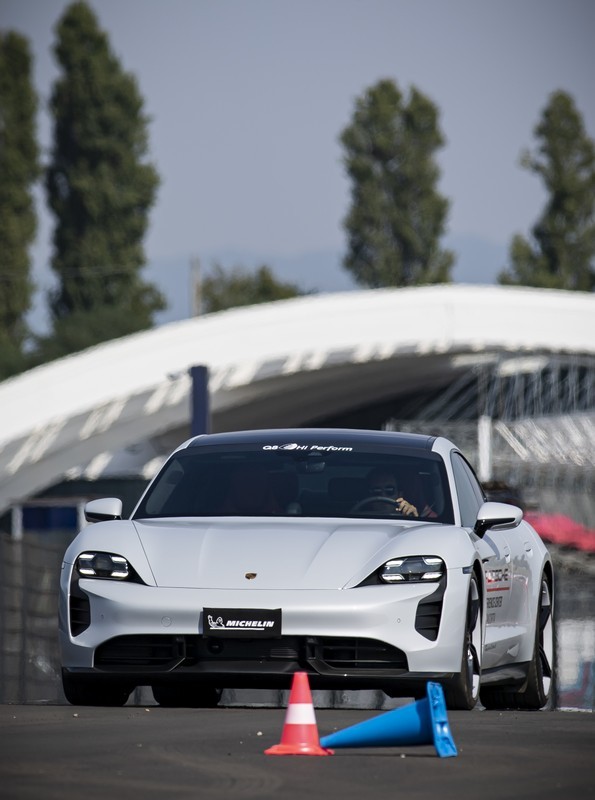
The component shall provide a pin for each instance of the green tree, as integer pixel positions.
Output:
(239, 287)
(19, 169)
(561, 251)
(397, 216)
(100, 189)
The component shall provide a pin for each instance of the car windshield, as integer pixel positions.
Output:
(253, 480)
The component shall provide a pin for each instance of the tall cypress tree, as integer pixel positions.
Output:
(561, 251)
(397, 216)
(100, 188)
(18, 171)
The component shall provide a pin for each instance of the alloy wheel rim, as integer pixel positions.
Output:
(546, 637)
(474, 642)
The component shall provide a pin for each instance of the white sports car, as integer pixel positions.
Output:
(366, 559)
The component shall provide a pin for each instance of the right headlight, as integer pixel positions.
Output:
(94, 564)
(412, 569)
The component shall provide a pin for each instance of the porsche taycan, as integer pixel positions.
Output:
(367, 559)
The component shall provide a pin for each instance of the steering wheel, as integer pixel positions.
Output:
(375, 499)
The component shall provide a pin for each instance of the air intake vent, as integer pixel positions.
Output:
(80, 613)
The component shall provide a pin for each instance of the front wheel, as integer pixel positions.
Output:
(462, 691)
(536, 691)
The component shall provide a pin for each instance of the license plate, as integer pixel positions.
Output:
(242, 622)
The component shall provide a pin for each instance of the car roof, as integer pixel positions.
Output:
(319, 436)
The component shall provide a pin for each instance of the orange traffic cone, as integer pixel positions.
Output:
(300, 733)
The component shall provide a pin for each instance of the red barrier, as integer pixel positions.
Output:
(562, 530)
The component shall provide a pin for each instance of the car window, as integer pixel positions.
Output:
(468, 490)
(240, 481)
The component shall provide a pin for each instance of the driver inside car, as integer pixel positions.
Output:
(382, 484)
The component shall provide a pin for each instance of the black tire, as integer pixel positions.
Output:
(186, 695)
(89, 692)
(462, 691)
(537, 689)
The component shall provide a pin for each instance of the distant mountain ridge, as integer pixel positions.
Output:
(477, 261)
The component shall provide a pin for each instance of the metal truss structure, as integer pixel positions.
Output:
(527, 421)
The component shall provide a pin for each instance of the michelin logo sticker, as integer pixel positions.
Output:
(238, 622)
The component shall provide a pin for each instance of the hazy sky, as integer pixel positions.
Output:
(248, 98)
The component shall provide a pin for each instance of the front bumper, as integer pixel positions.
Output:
(364, 637)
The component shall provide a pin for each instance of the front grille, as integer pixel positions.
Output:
(358, 654)
(141, 651)
(324, 655)
(288, 653)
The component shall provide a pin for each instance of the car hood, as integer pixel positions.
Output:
(277, 554)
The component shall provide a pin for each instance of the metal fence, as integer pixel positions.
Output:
(550, 461)
(29, 580)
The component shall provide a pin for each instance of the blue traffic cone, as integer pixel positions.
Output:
(422, 722)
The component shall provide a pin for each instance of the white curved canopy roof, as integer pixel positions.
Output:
(279, 364)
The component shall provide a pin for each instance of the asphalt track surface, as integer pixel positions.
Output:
(69, 752)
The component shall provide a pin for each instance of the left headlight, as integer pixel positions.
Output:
(103, 565)
(412, 569)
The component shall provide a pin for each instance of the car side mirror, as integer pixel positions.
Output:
(106, 508)
(497, 517)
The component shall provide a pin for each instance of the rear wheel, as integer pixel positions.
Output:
(462, 691)
(89, 692)
(186, 695)
(536, 691)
